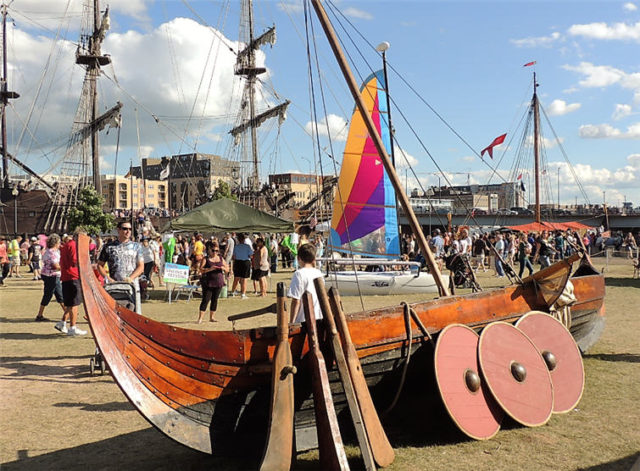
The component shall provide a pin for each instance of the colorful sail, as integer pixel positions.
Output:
(364, 217)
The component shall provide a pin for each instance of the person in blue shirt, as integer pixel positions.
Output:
(241, 266)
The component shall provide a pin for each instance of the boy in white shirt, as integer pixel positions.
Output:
(302, 281)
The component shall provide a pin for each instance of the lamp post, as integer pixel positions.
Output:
(15, 193)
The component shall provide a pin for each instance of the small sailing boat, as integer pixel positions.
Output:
(365, 219)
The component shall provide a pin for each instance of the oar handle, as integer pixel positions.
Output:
(324, 305)
(282, 329)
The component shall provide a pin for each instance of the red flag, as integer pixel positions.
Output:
(529, 64)
(496, 142)
(519, 177)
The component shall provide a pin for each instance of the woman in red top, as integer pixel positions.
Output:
(213, 269)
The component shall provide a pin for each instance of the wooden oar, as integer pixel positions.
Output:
(330, 447)
(345, 376)
(278, 452)
(381, 448)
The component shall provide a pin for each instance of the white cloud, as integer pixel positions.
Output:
(606, 131)
(291, 7)
(357, 13)
(544, 142)
(403, 158)
(469, 158)
(145, 67)
(604, 31)
(65, 13)
(621, 111)
(629, 6)
(541, 41)
(560, 107)
(604, 76)
(331, 124)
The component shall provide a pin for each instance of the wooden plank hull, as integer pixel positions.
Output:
(208, 389)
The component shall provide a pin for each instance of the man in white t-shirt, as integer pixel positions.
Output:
(465, 242)
(302, 281)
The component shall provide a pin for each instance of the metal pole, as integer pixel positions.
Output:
(15, 194)
(382, 152)
(558, 187)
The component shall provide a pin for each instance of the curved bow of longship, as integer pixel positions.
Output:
(173, 383)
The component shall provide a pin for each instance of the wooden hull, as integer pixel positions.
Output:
(208, 389)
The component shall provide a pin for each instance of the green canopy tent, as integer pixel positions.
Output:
(225, 215)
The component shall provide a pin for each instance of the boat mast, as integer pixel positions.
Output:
(382, 47)
(5, 95)
(377, 140)
(246, 66)
(536, 144)
(94, 59)
(252, 105)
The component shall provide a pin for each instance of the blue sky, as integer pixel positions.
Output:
(464, 58)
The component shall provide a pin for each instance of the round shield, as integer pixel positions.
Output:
(516, 374)
(463, 392)
(561, 354)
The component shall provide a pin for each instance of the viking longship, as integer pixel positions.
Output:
(211, 389)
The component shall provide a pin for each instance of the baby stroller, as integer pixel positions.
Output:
(125, 295)
(462, 273)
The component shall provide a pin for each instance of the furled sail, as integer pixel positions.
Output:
(364, 217)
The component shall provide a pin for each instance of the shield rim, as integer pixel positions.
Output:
(520, 421)
(489, 393)
(531, 313)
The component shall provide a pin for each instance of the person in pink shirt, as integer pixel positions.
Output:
(51, 276)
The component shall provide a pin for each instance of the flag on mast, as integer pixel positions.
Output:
(165, 173)
(528, 64)
(496, 142)
(519, 177)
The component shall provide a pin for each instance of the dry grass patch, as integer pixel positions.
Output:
(55, 416)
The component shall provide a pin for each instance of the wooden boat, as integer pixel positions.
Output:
(210, 390)
(206, 389)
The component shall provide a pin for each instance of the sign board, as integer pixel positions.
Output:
(176, 274)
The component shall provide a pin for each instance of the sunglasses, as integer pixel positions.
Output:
(125, 228)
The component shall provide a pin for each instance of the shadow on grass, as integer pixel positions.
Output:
(624, 357)
(106, 407)
(23, 367)
(25, 320)
(622, 282)
(623, 464)
(143, 450)
(31, 336)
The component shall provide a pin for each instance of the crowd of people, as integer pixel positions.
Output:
(233, 259)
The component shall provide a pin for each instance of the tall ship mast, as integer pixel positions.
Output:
(250, 120)
(81, 164)
(5, 96)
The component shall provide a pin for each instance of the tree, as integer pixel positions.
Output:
(89, 213)
(223, 190)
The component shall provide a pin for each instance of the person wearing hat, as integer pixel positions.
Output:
(34, 255)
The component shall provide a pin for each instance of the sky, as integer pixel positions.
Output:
(456, 78)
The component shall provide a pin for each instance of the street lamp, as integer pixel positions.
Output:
(15, 193)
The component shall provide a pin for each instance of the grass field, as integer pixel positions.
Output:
(54, 415)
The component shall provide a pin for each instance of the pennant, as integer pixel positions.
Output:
(165, 173)
(522, 186)
(496, 142)
(519, 177)
(528, 64)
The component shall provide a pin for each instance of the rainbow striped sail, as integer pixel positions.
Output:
(364, 217)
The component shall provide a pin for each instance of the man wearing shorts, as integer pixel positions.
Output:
(71, 289)
(241, 265)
